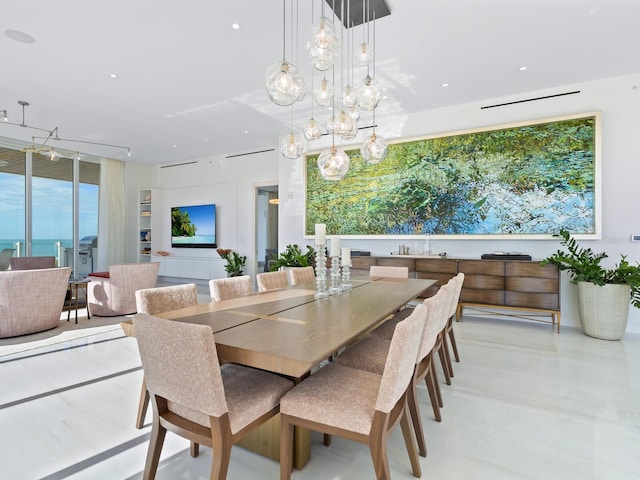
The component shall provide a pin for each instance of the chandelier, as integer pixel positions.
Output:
(326, 51)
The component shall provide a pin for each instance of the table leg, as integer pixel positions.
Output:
(76, 293)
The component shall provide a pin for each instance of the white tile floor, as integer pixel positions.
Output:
(525, 403)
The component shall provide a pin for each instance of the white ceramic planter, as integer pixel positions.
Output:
(604, 310)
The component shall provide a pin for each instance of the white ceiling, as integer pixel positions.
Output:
(186, 78)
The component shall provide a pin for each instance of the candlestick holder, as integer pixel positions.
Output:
(321, 273)
(346, 277)
(336, 284)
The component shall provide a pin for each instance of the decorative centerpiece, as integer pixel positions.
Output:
(235, 262)
(321, 261)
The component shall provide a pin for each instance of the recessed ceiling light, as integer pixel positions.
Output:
(113, 75)
(174, 146)
(523, 68)
(19, 36)
(245, 132)
(445, 84)
(235, 26)
(384, 97)
(207, 140)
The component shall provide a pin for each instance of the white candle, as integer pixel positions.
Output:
(335, 246)
(346, 256)
(321, 234)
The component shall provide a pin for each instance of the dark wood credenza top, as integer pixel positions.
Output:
(511, 283)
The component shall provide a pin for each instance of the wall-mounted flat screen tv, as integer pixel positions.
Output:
(193, 226)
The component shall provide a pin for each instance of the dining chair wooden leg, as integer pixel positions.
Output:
(436, 383)
(409, 441)
(156, 440)
(414, 411)
(452, 339)
(221, 444)
(443, 362)
(143, 404)
(434, 393)
(447, 355)
(378, 450)
(194, 449)
(327, 440)
(286, 448)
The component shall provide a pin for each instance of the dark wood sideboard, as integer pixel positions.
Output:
(520, 289)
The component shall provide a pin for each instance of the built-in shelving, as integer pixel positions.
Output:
(144, 225)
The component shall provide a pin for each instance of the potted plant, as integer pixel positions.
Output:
(235, 262)
(603, 294)
(293, 257)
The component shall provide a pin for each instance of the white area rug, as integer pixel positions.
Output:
(64, 332)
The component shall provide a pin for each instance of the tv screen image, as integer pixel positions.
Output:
(193, 226)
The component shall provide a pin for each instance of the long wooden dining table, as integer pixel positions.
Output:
(290, 332)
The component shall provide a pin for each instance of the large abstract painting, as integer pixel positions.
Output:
(527, 180)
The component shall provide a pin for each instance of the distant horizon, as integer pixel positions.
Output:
(52, 208)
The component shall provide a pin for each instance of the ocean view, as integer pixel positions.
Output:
(40, 247)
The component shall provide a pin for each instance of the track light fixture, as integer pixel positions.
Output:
(42, 147)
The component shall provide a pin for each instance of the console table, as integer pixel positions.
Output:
(514, 288)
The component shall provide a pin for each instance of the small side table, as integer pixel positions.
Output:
(73, 300)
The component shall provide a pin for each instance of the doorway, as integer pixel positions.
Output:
(266, 225)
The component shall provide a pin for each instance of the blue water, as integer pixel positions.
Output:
(39, 248)
(201, 239)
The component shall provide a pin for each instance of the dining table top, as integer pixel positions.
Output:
(289, 331)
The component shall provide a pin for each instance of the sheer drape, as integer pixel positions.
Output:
(111, 214)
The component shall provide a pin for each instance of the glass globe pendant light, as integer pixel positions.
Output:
(312, 129)
(369, 91)
(283, 80)
(374, 148)
(291, 145)
(344, 124)
(284, 83)
(364, 54)
(323, 48)
(369, 94)
(349, 96)
(324, 93)
(333, 164)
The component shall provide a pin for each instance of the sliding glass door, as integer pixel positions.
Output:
(46, 210)
(12, 201)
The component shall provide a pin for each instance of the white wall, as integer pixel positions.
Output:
(230, 183)
(619, 101)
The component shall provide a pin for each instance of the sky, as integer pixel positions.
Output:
(204, 217)
(52, 208)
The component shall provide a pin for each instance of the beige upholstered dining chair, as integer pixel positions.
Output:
(370, 354)
(196, 398)
(389, 272)
(302, 275)
(158, 300)
(32, 263)
(386, 331)
(232, 287)
(356, 404)
(272, 280)
(459, 279)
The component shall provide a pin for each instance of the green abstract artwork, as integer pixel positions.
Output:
(530, 179)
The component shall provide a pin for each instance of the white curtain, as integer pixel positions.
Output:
(111, 214)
